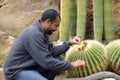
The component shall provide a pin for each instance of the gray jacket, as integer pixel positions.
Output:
(33, 48)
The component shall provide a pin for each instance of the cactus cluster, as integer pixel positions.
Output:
(113, 50)
(93, 53)
(74, 17)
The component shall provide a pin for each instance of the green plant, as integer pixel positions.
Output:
(81, 18)
(65, 20)
(108, 21)
(93, 53)
(98, 19)
(113, 50)
(73, 19)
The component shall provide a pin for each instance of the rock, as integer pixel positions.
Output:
(16, 15)
(6, 42)
(1, 3)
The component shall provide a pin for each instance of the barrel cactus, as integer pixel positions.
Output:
(113, 50)
(93, 53)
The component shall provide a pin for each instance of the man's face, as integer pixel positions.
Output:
(52, 26)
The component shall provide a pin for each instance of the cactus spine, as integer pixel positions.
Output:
(108, 20)
(93, 53)
(65, 20)
(98, 19)
(81, 18)
(113, 50)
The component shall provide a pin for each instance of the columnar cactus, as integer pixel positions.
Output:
(108, 21)
(65, 20)
(113, 50)
(81, 18)
(98, 19)
(94, 55)
(73, 17)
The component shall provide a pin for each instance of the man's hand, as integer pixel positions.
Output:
(78, 63)
(75, 40)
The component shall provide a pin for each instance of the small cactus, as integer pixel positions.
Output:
(113, 50)
(93, 53)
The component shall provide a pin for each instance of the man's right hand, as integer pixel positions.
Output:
(78, 63)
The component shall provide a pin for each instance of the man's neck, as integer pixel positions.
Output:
(43, 26)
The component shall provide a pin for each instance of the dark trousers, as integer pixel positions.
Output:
(38, 73)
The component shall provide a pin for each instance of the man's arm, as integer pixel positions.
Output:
(58, 50)
(38, 50)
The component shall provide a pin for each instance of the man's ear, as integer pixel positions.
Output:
(48, 20)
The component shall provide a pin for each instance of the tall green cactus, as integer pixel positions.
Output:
(65, 20)
(98, 19)
(94, 55)
(113, 50)
(73, 17)
(108, 20)
(81, 18)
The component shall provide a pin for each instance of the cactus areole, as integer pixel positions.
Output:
(93, 53)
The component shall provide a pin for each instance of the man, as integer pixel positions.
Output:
(33, 56)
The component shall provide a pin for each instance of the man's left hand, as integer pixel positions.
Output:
(75, 40)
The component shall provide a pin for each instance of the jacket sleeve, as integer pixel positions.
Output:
(39, 51)
(58, 50)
